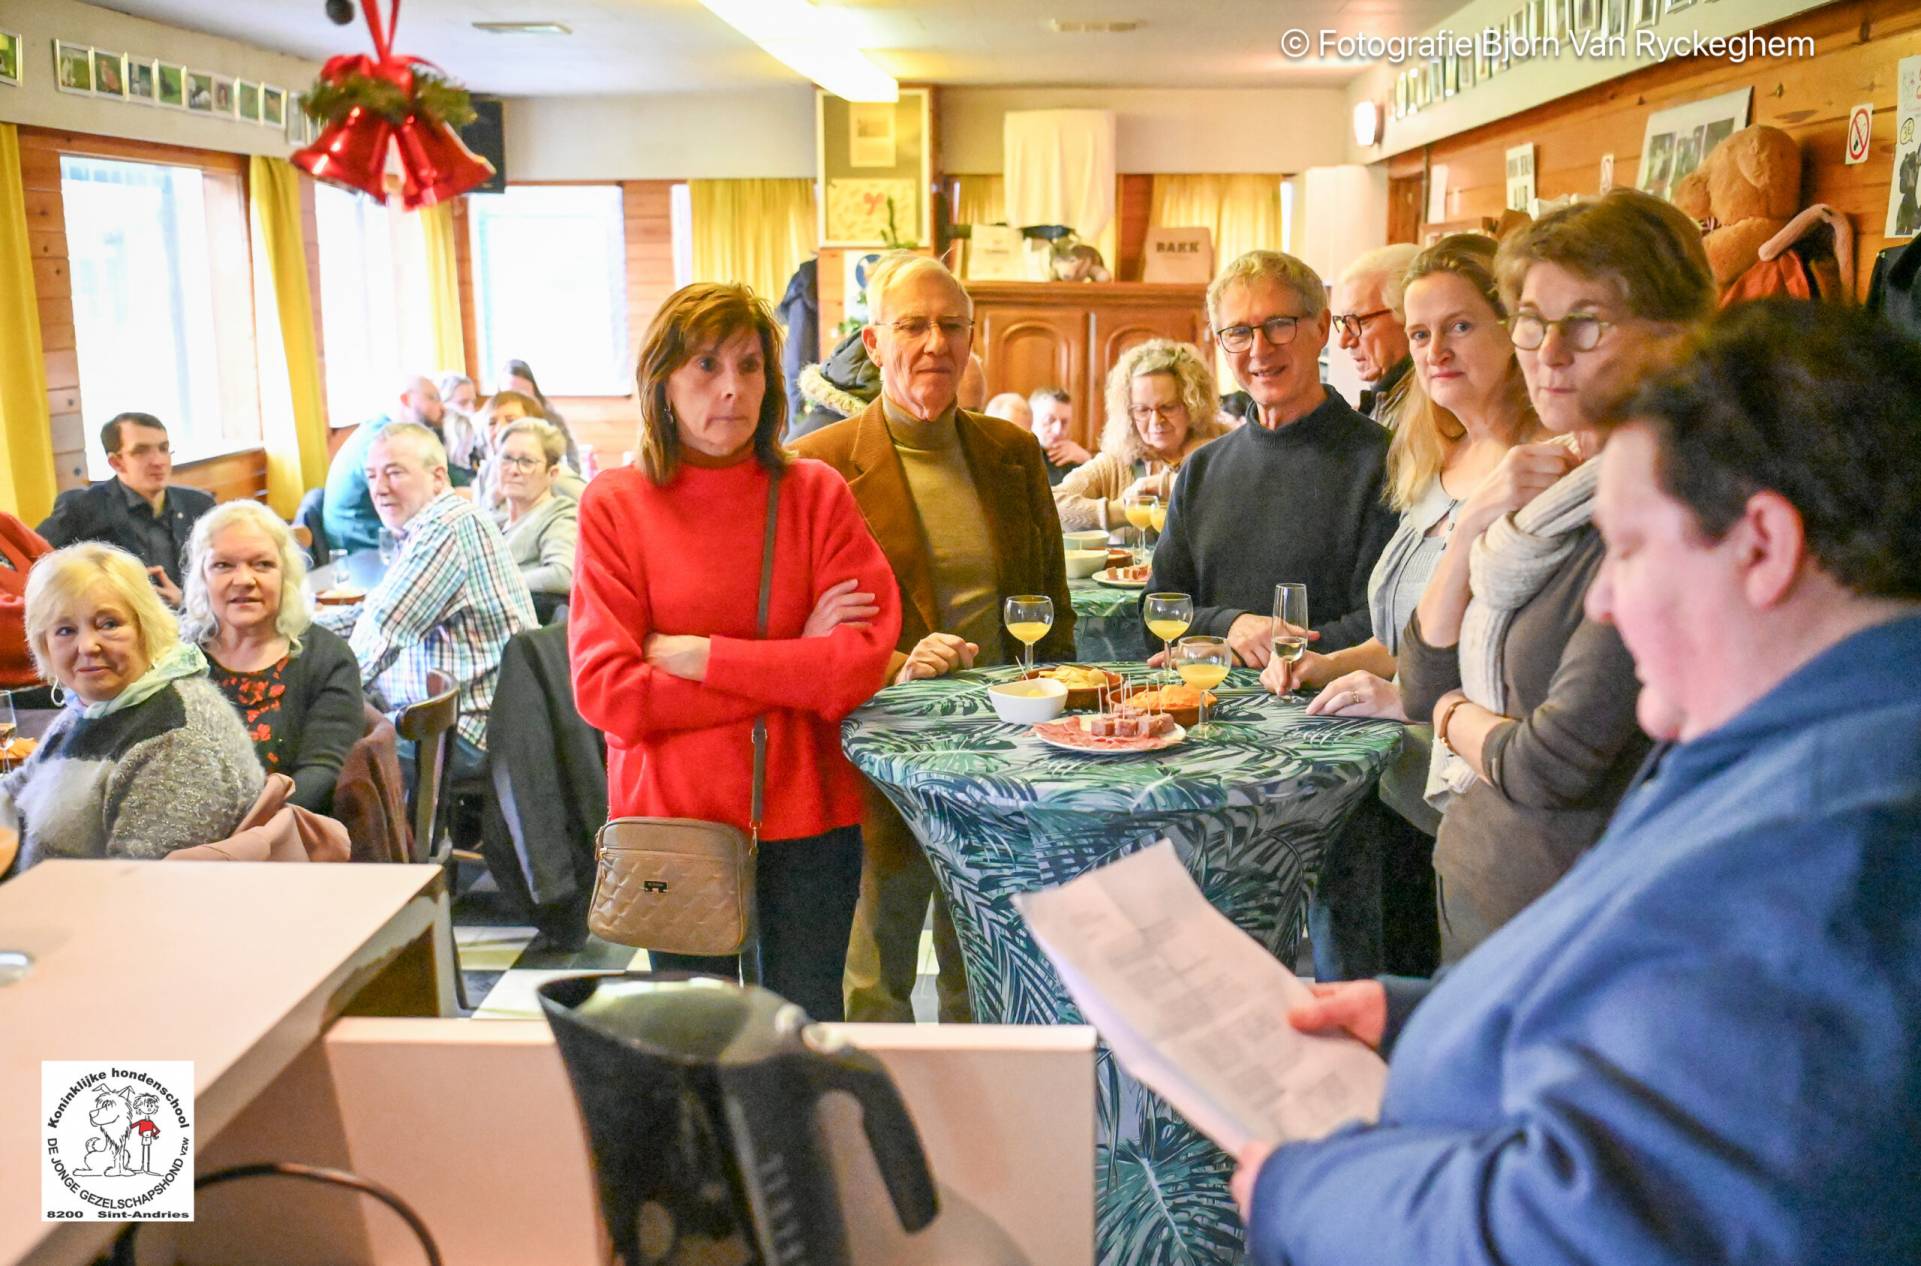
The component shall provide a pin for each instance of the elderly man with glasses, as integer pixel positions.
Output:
(959, 502)
(1367, 320)
(1293, 496)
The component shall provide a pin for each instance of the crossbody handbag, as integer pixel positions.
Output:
(681, 885)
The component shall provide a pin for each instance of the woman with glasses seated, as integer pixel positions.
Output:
(1535, 737)
(542, 527)
(1161, 406)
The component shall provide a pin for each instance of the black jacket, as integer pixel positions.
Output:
(320, 717)
(104, 512)
(549, 772)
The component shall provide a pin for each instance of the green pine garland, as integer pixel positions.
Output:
(436, 99)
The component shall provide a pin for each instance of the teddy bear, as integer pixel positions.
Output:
(1744, 193)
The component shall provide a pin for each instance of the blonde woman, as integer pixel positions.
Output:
(294, 684)
(146, 757)
(541, 526)
(502, 410)
(1161, 406)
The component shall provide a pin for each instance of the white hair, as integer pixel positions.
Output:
(1390, 264)
(427, 445)
(197, 620)
(896, 267)
(1282, 269)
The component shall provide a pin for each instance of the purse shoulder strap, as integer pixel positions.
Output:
(760, 630)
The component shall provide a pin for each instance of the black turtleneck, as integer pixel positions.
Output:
(1301, 503)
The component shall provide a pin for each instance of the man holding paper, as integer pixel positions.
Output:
(1704, 1043)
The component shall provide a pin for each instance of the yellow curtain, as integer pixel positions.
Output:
(293, 422)
(443, 288)
(1242, 212)
(26, 473)
(753, 231)
(980, 199)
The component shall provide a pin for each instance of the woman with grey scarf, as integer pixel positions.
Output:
(1532, 703)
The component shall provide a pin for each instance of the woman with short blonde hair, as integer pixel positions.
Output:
(145, 757)
(542, 527)
(295, 685)
(1161, 406)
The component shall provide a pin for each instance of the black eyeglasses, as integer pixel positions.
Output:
(953, 329)
(1352, 323)
(1278, 331)
(1579, 331)
(523, 463)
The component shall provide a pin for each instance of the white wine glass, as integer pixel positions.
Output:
(1028, 616)
(1203, 663)
(1290, 622)
(1168, 616)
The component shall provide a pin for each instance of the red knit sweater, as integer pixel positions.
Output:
(685, 559)
(21, 546)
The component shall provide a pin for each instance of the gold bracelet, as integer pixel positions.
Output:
(1440, 730)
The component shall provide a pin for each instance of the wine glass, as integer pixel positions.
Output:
(1158, 517)
(1139, 508)
(1029, 616)
(9, 728)
(1202, 663)
(1290, 622)
(1168, 615)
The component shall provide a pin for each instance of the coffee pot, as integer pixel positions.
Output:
(700, 1098)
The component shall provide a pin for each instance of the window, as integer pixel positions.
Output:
(163, 321)
(680, 228)
(360, 306)
(550, 286)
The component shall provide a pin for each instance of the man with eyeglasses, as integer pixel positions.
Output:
(959, 502)
(137, 510)
(1367, 319)
(1295, 495)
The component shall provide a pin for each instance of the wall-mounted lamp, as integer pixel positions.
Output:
(1367, 123)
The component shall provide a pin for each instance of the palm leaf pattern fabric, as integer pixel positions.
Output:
(1248, 808)
(1107, 622)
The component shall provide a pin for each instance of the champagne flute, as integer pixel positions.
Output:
(1029, 616)
(1139, 508)
(1168, 615)
(1290, 622)
(1203, 663)
(1159, 519)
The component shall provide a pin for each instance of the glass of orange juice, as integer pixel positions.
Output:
(1029, 616)
(1168, 615)
(1202, 663)
(1140, 516)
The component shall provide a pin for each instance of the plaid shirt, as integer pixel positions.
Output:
(450, 601)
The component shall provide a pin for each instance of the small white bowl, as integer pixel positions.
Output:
(1029, 702)
(1082, 563)
(1089, 538)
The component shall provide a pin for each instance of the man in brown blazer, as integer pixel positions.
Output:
(960, 505)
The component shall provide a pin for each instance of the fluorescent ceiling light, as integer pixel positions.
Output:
(818, 43)
(524, 28)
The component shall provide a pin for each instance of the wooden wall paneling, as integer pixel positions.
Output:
(53, 290)
(647, 206)
(1134, 207)
(464, 277)
(228, 477)
(1857, 46)
(1030, 347)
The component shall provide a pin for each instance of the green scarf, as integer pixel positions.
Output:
(184, 660)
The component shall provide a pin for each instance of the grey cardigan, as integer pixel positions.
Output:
(1555, 773)
(543, 543)
(173, 770)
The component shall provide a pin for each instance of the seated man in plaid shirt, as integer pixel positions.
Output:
(451, 599)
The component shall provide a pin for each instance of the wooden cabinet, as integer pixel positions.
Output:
(1057, 334)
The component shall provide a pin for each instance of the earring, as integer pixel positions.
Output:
(57, 693)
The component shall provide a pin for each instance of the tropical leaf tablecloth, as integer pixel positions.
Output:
(1107, 622)
(1248, 807)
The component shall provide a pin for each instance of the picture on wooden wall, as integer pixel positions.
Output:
(223, 95)
(1520, 178)
(1904, 188)
(170, 86)
(10, 48)
(273, 106)
(1656, 162)
(109, 74)
(140, 79)
(1679, 137)
(200, 91)
(246, 97)
(866, 202)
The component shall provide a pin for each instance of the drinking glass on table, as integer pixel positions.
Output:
(9, 730)
(1168, 615)
(1140, 515)
(1029, 616)
(1202, 663)
(1290, 622)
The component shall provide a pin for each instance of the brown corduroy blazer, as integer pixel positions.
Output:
(1010, 474)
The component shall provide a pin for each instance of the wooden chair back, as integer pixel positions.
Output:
(429, 724)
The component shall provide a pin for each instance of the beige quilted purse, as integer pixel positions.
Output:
(681, 885)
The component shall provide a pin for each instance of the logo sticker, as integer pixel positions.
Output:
(118, 1141)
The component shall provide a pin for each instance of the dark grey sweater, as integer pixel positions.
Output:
(1258, 507)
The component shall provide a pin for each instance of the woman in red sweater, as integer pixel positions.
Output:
(662, 630)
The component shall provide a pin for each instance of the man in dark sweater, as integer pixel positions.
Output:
(1295, 495)
(138, 509)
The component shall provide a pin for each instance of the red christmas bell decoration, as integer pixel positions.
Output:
(372, 102)
(351, 152)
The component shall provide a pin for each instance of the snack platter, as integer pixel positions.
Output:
(1072, 734)
(340, 596)
(1134, 577)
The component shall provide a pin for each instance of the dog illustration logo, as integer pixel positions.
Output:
(118, 1140)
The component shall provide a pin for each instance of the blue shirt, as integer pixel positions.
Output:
(348, 510)
(1703, 1045)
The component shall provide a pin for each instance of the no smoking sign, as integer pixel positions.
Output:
(1860, 128)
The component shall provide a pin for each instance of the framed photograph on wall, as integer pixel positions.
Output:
(72, 67)
(273, 106)
(109, 74)
(299, 126)
(1646, 13)
(11, 50)
(170, 86)
(140, 79)
(1679, 137)
(223, 96)
(246, 97)
(1450, 74)
(860, 192)
(200, 91)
